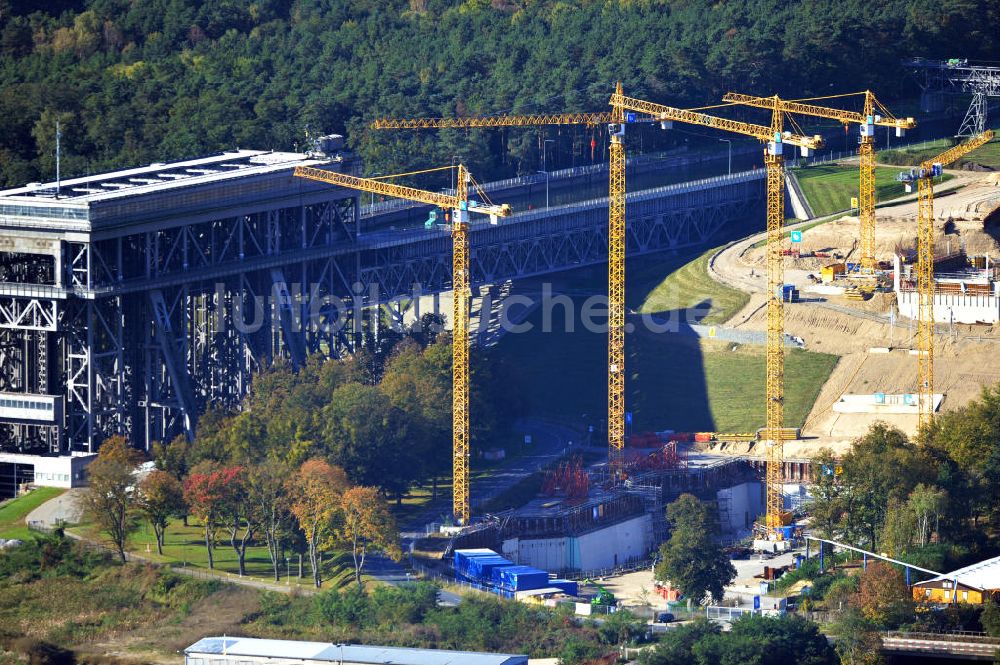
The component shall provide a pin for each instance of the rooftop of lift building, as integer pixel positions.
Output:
(158, 188)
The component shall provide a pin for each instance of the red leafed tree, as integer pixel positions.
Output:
(882, 592)
(206, 494)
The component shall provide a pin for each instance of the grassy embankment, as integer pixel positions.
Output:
(52, 590)
(57, 597)
(13, 512)
(673, 381)
(829, 187)
(184, 546)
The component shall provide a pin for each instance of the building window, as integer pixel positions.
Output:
(965, 595)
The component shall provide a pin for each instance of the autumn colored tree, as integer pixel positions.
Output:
(882, 594)
(111, 497)
(160, 495)
(315, 493)
(206, 496)
(366, 525)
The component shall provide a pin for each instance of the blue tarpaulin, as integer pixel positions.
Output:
(478, 565)
(520, 578)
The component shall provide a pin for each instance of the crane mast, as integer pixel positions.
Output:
(775, 353)
(461, 293)
(616, 289)
(460, 206)
(866, 188)
(868, 120)
(924, 177)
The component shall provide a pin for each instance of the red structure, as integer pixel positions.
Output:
(569, 479)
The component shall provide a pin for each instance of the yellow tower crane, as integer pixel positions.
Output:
(616, 240)
(924, 177)
(875, 114)
(616, 288)
(774, 162)
(461, 206)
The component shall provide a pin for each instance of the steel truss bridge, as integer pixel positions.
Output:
(133, 300)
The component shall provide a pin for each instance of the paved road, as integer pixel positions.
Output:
(65, 508)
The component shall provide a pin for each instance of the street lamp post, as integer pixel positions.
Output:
(545, 168)
(546, 188)
(729, 145)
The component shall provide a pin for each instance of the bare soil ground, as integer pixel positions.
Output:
(222, 613)
(965, 359)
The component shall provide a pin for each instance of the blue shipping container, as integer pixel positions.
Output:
(520, 578)
(482, 568)
(569, 587)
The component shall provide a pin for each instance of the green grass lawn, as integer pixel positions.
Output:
(691, 285)
(185, 546)
(13, 512)
(829, 187)
(672, 382)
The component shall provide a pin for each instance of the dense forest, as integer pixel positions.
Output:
(135, 82)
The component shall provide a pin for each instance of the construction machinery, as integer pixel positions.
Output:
(775, 138)
(603, 596)
(924, 177)
(616, 240)
(875, 114)
(459, 206)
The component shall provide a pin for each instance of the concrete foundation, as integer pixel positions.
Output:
(953, 307)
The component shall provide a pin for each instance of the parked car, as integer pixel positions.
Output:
(665, 617)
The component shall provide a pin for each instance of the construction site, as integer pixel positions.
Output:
(122, 301)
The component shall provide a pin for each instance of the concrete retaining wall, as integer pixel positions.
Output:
(953, 307)
(603, 548)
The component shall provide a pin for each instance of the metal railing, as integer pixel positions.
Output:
(950, 636)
